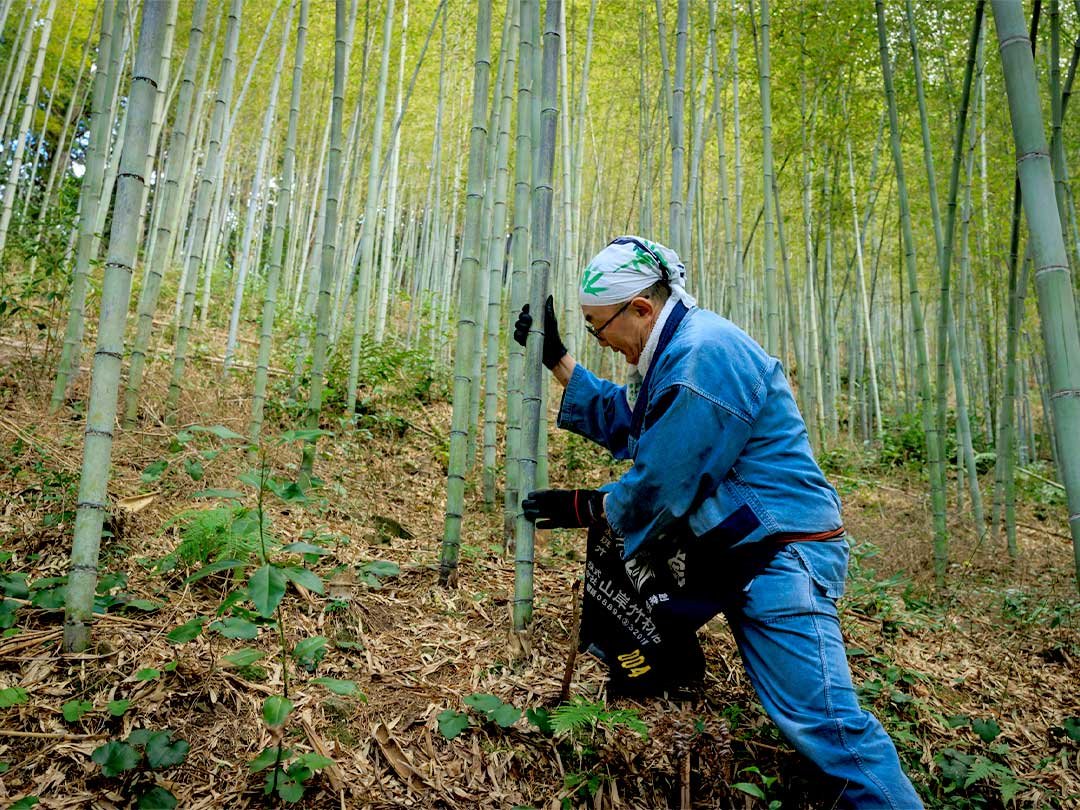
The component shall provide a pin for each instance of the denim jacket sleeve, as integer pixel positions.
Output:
(687, 446)
(596, 409)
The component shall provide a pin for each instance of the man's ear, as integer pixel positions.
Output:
(643, 306)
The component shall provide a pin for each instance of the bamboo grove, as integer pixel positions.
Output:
(312, 180)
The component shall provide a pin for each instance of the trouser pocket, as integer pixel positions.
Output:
(826, 562)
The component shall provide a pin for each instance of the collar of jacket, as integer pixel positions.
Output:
(641, 403)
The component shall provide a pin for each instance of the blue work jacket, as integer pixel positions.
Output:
(722, 448)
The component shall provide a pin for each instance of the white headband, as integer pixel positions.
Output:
(628, 266)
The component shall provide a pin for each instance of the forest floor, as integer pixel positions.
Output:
(976, 683)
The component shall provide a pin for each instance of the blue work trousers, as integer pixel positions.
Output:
(785, 623)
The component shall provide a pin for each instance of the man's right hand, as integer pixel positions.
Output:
(554, 350)
(564, 508)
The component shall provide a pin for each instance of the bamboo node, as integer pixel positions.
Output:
(1035, 153)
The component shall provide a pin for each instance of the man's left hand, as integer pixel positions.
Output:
(564, 508)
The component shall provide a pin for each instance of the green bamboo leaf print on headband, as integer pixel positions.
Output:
(589, 281)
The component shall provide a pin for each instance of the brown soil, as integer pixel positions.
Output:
(418, 649)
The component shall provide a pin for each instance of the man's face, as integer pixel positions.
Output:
(624, 328)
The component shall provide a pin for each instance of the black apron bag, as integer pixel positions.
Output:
(641, 616)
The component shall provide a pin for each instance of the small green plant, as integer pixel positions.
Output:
(73, 710)
(58, 494)
(310, 651)
(212, 535)
(758, 792)
(582, 785)
(452, 723)
(155, 750)
(583, 718)
(372, 573)
(577, 727)
(1025, 608)
(493, 709)
(966, 778)
(288, 772)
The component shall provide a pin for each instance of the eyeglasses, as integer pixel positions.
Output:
(596, 332)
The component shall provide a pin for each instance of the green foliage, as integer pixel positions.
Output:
(750, 789)
(310, 651)
(836, 460)
(36, 277)
(1034, 488)
(14, 585)
(188, 631)
(235, 627)
(391, 374)
(345, 688)
(116, 757)
(161, 750)
(541, 718)
(758, 792)
(276, 710)
(289, 782)
(986, 728)
(12, 696)
(243, 658)
(891, 600)
(222, 432)
(581, 454)
(903, 441)
(74, 709)
(302, 577)
(154, 471)
(493, 709)
(1036, 610)
(310, 551)
(45, 488)
(267, 757)
(1071, 727)
(970, 780)
(576, 720)
(452, 723)
(289, 772)
(157, 798)
(8, 610)
(372, 573)
(156, 748)
(215, 534)
(266, 588)
(581, 717)
(583, 784)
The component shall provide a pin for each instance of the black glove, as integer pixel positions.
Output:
(554, 350)
(564, 508)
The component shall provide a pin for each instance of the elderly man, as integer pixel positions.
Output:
(724, 510)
